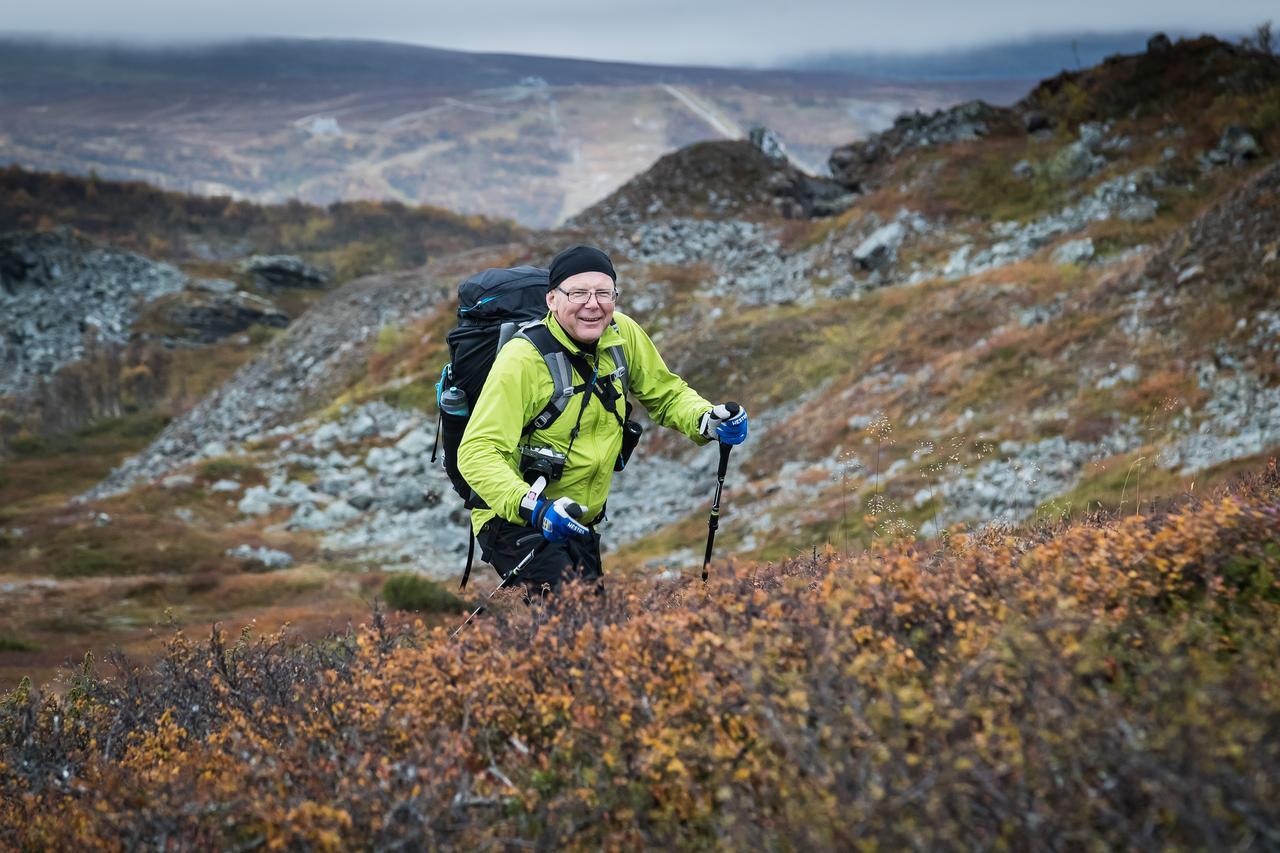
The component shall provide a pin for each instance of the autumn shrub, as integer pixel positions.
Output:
(1108, 683)
(409, 591)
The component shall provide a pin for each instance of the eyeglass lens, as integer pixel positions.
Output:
(580, 297)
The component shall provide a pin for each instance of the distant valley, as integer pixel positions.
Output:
(525, 138)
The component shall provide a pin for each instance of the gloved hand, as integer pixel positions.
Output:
(726, 423)
(558, 520)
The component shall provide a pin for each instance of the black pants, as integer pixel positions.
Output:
(503, 545)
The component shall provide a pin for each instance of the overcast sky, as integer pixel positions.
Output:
(713, 32)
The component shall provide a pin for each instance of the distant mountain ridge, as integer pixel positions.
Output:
(1026, 59)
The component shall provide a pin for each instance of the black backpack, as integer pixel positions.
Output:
(493, 307)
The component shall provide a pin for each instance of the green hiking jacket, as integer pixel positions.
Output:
(519, 386)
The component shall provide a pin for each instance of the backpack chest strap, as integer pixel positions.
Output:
(560, 364)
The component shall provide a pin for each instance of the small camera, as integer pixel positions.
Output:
(538, 462)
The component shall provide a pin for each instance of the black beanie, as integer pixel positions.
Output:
(580, 259)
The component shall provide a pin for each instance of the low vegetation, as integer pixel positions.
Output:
(1112, 682)
(354, 238)
(413, 592)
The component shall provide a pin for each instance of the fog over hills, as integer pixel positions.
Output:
(534, 139)
(1026, 59)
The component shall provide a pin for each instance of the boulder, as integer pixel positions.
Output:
(768, 143)
(272, 271)
(1235, 147)
(208, 317)
(880, 249)
(1075, 162)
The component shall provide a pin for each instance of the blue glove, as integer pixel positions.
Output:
(558, 520)
(727, 423)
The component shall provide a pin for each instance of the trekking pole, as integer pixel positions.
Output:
(714, 521)
(511, 575)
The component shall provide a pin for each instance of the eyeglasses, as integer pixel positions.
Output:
(582, 297)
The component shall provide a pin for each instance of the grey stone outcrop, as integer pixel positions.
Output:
(58, 290)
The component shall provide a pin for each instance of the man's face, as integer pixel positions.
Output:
(585, 323)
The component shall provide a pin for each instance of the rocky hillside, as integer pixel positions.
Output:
(1001, 315)
(56, 289)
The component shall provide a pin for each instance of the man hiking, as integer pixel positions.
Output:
(502, 451)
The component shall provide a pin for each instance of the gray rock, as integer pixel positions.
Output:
(214, 285)
(409, 498)
(1236, 147)
(1074, 252)
(309, 517)
(284, 271)
(416, 442)
(225, 486)
(207, 317)
(269, 558)
(361, 500)
(334, 487)
(880, 249)
(257, 500)
(1075, 162)
(1023, 169)
(768, 142)
(339, 513)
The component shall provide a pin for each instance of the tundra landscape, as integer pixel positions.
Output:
(998, 566)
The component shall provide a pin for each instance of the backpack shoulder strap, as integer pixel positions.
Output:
(557, 365)
(619, 356)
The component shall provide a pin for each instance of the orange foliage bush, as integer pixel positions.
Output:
(1112, 683)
